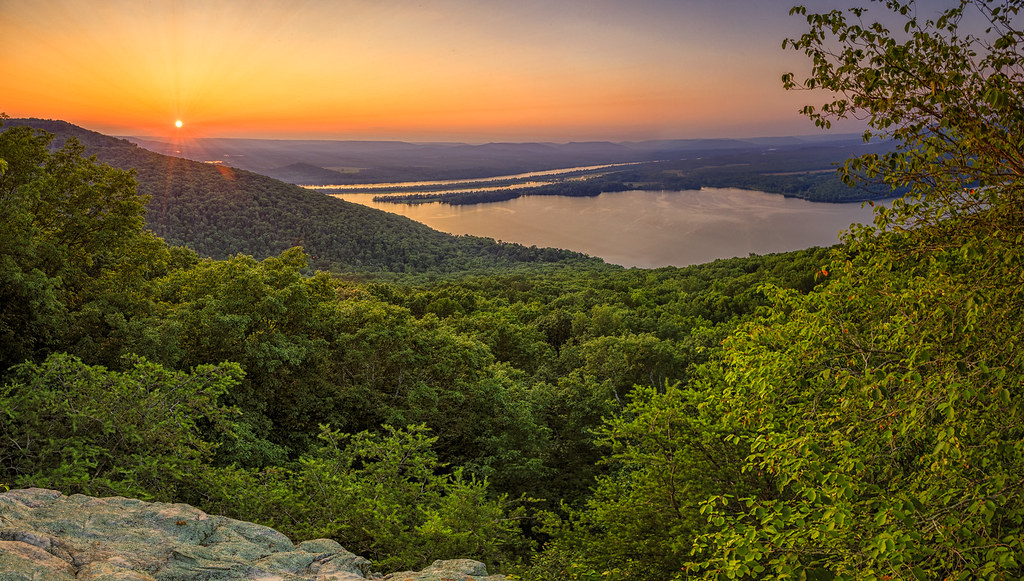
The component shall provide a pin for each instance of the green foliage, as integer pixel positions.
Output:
(585, 339)
(669, 449)
(631, 359)
(380, 495)
(85, 429)
(220, 212)
(259, 314)
(571, 410)
(886, 406)
(892, 427)
(508, 378)
(870, 428)
(945, 89)
(67, 221)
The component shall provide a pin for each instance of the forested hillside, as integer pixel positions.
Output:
(845, 413)
(412, 421)
(220, 211)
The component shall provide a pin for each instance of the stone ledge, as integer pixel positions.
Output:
(46, 535)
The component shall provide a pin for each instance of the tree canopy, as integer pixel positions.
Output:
(886, 407)
(872, 428)
(263, 391)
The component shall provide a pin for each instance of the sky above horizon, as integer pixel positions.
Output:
(430, 70)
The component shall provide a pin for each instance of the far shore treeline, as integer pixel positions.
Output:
(189, 332)
(454, 173)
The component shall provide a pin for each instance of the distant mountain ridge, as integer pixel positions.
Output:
(343, 162)
(218, 211)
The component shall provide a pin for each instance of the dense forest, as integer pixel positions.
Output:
(219, 211)
(260, 379)
(844, 413)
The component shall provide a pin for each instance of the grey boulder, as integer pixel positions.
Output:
(46, 535)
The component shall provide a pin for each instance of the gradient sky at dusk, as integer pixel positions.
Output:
(467, 70)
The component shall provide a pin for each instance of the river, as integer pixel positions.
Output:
(645, 229)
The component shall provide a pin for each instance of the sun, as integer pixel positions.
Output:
(178, 124)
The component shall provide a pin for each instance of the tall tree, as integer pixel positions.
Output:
(948, 90)
(886, 406)
(68, 221)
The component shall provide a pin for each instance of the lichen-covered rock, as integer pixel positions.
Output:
(23, 562)
(46, 535)
(450, 570)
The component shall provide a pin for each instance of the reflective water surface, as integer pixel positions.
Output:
(646, 229)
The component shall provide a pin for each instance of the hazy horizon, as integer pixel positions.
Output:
(443, 70)
(434, 71)
(815, 135)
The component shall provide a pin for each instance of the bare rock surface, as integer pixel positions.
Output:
(46, 535)
(450, 570)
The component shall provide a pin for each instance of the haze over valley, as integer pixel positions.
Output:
(796, 166)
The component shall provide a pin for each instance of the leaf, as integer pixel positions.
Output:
(1005, 42)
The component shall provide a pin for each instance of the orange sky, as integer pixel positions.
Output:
(468, 70)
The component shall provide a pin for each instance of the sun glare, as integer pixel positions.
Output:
(178, 123)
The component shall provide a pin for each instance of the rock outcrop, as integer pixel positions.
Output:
(46, 535)
(451, 570)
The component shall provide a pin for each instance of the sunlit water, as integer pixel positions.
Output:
(551, 173)
(646, 229)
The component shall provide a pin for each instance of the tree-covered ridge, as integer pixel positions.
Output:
(219, 211)
(411, 420)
